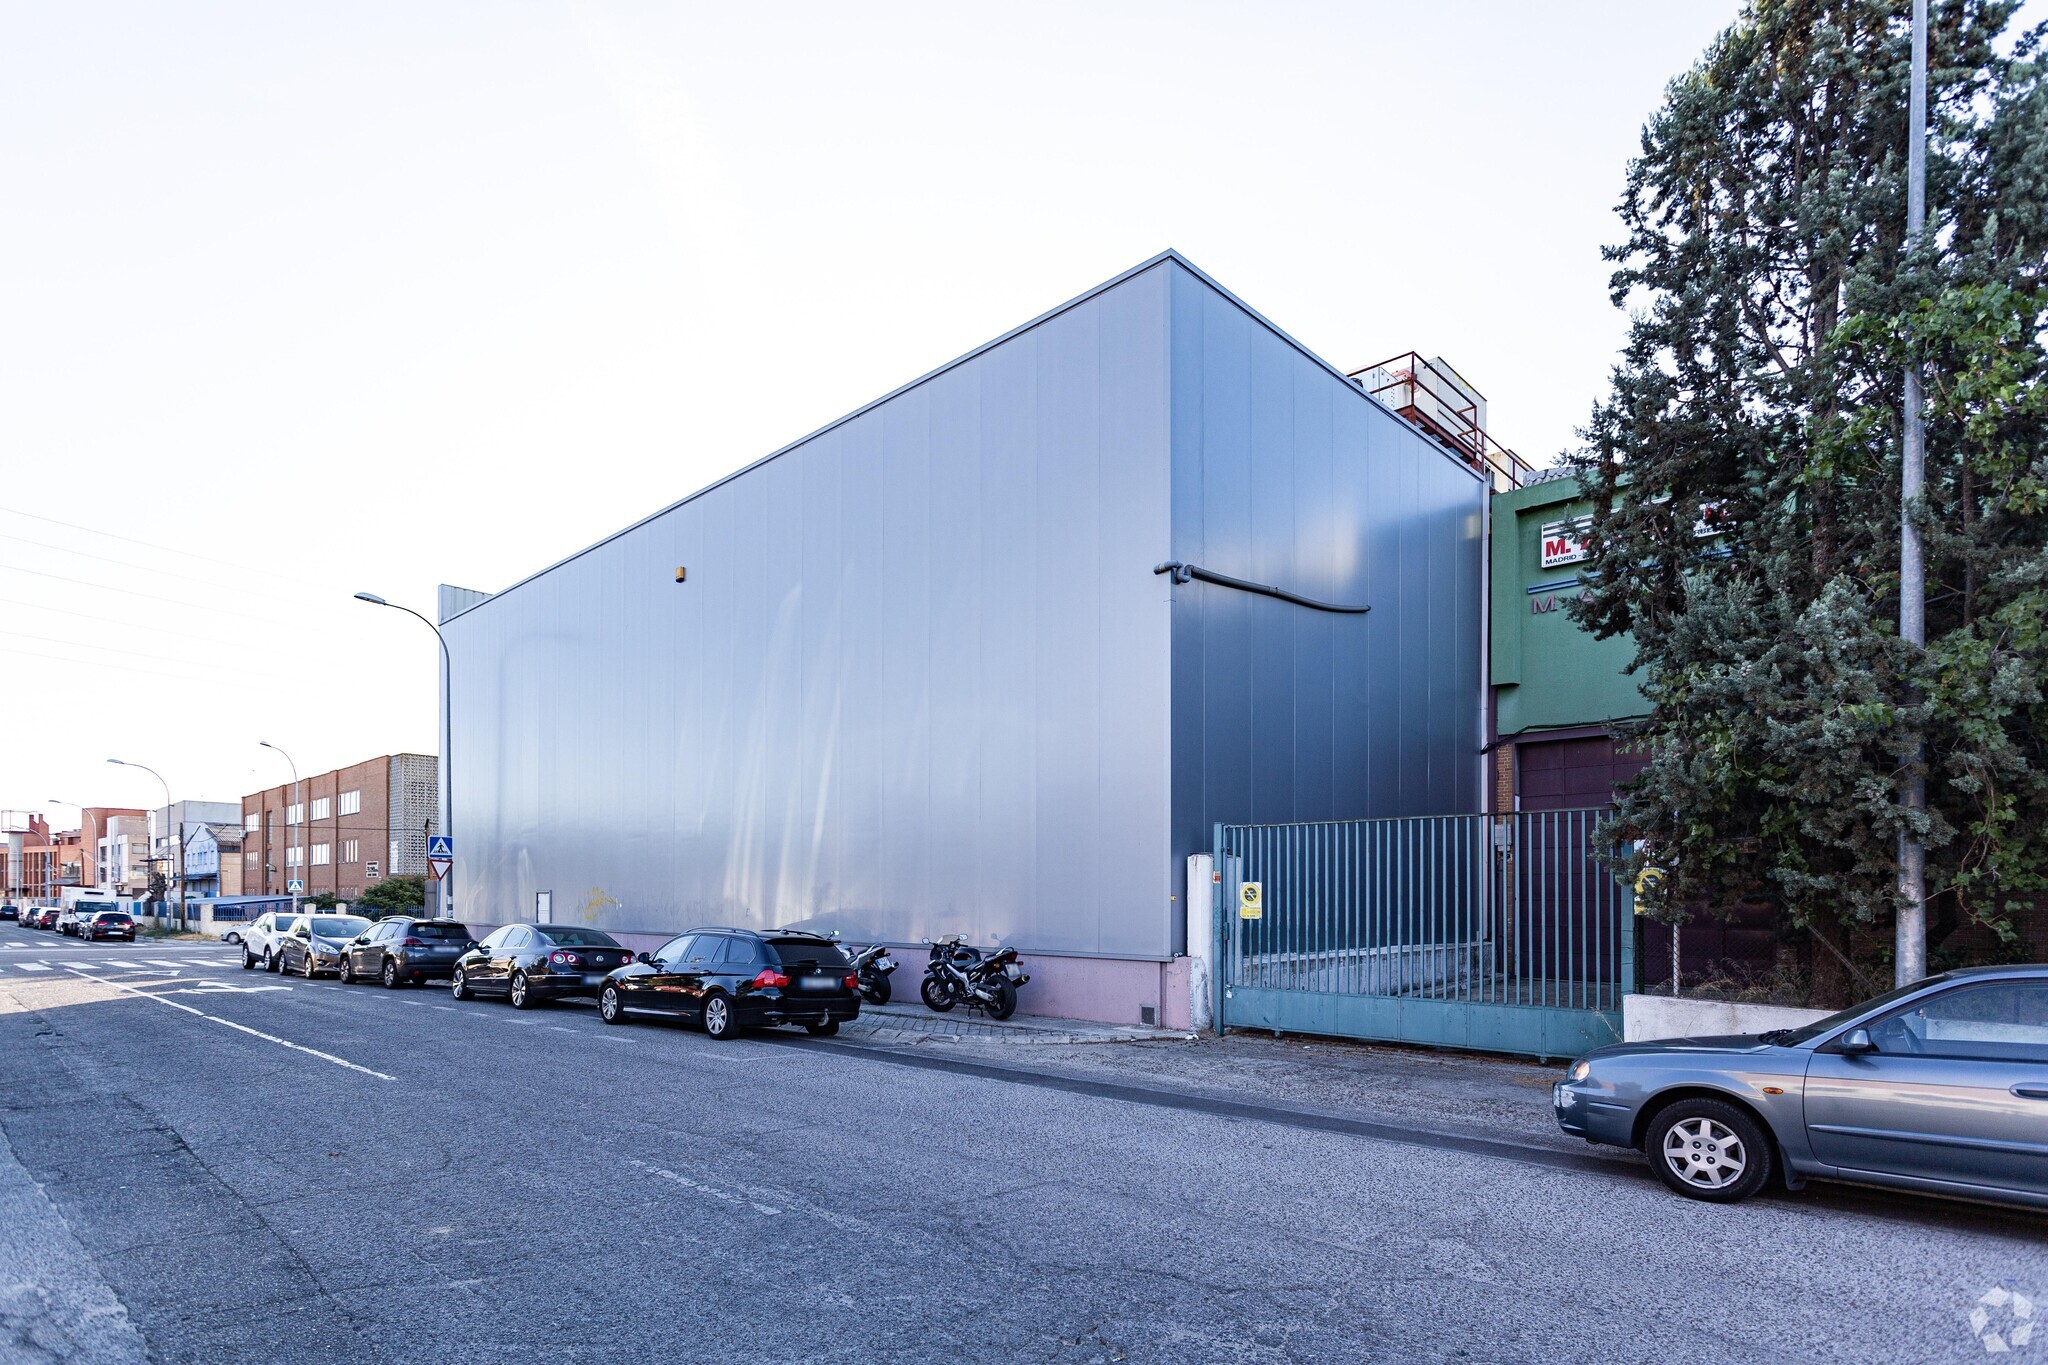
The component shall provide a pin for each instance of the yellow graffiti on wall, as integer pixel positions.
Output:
(595, 903)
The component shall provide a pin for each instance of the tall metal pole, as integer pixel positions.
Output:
(169, 815)
(297, 800)
(1910, 948)
(444, 886)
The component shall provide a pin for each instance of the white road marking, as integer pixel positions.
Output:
(243, 1028)
(33, 966)
(559, 1029)
(767, 1209)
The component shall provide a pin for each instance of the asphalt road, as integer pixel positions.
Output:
(195, 1170)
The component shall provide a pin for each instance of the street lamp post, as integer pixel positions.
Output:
(169, 816)
(297, 800)
(444, 885)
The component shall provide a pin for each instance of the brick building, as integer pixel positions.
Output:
(341, 831)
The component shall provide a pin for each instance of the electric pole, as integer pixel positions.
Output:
(1911, 944)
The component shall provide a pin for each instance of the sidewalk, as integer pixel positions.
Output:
(1503, 1098)
(910, 1022)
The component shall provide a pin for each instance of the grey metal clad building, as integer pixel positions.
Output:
(920, 676)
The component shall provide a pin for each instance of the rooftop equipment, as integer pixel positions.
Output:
(1440, 403)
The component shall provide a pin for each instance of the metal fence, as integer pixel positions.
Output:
(1498, 932)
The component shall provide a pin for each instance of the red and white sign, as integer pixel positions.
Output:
(1564, 541)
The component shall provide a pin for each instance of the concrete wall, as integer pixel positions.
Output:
(1548, 671)
(1661, 1016)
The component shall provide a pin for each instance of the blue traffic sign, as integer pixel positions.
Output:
(441, 846)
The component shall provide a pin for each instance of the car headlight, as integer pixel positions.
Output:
(1580, 1070)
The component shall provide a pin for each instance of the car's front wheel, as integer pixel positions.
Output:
(611, 1005)
(1709, 1149)
(344, 973)
(458, 985)
(248, 959)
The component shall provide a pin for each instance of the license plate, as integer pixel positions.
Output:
(593, 978)
(819, 983)
(887, 964)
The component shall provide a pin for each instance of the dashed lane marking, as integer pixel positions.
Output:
(767, 1210)
(240, 1028)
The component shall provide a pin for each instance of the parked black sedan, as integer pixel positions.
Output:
(530, 963)
(400, 951)
(730, 980)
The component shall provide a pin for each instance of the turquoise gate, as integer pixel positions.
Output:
(1502, 933)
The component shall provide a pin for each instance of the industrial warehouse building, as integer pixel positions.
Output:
(919, 673)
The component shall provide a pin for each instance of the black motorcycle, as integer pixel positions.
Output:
(873, 966)
(959, 975)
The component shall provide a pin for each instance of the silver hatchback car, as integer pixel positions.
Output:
(1941, 1086)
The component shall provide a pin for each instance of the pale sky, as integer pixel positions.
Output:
(386, 295)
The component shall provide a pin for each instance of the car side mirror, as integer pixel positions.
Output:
(1854, 1041)
(474, 945)
(645, 959)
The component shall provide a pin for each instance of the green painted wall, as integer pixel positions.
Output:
(1547, 671)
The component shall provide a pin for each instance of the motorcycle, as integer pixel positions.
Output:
(873, 966)
(957, 974)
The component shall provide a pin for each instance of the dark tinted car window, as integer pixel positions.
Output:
(499, 938)
(423, 928)
(113, 917)
(748, 952)
(725, 950)
(573, 936)
(792, 950)
(674, 949)
(2003, 1022)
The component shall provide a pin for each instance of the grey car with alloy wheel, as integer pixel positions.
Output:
(318, 943)
(402, 951)
(1939, 1087)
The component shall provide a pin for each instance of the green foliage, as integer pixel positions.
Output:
(393, 895)
(322, 900)
(1775, 306)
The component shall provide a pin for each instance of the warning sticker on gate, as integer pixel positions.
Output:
(1251, 900)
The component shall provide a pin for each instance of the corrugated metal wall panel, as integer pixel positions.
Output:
(1285, 473)
(914, 684)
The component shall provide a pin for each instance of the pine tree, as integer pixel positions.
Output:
(1774, 307)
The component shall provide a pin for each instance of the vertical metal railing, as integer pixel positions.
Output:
(1489, 909)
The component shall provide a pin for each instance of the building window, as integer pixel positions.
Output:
(294, 813)
(294, 855)
(349, 851)
(351, 803)
(323, 807)
(252, 822)
(323, 854)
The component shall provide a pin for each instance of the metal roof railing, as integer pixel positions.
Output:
(1440, 404)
